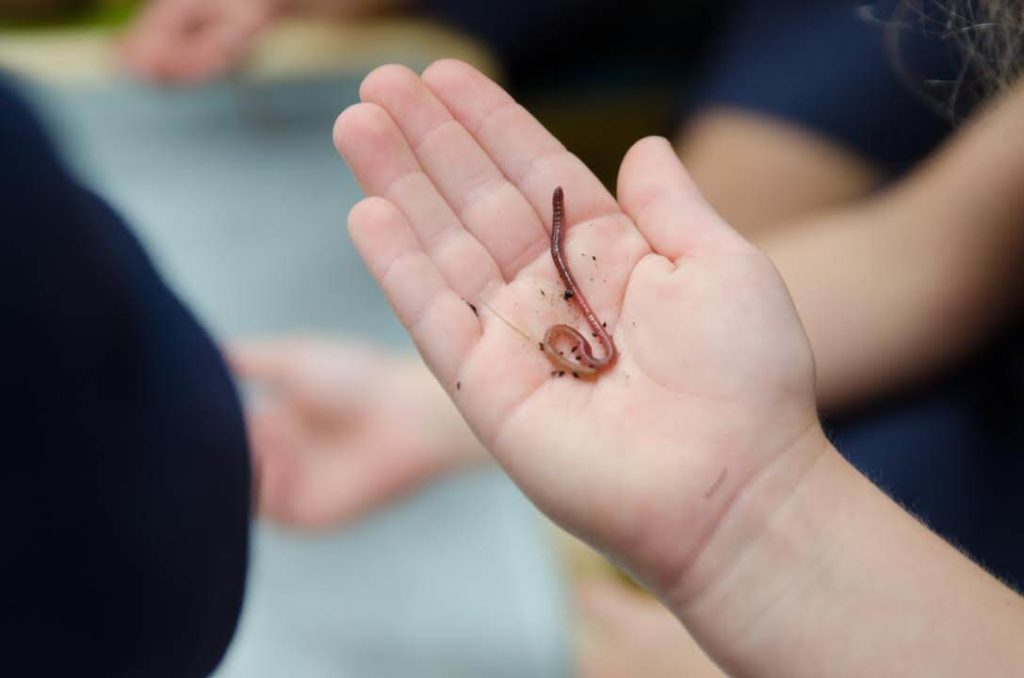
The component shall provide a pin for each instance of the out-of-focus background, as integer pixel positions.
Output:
(237, 193)
(207, 123)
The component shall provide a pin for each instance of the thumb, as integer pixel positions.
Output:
(661, 198)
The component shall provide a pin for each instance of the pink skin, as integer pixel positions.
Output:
(580, 358)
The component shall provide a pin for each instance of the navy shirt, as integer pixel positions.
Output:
(126, 480)
(875, 77)
(866, 76)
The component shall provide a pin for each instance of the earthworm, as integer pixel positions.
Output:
(577, 356)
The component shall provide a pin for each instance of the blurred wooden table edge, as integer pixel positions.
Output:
(87, 56)
(581, 563)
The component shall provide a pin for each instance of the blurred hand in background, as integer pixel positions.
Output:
(191, 41)
(339, 428)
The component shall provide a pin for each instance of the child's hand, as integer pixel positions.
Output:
(184, 42)
(344, 428)
(714, 381)
(190, 41)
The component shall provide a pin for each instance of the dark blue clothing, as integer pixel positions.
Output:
(876, 77)
(951, 454)
(610, 45)
(862, 75)
(126, 480)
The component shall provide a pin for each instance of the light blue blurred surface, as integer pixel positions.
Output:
(237, 193)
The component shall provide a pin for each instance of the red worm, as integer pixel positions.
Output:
(577, 356)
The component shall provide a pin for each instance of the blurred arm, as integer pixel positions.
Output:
(761, 173)
(897, 287)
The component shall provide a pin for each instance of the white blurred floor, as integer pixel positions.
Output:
(237, 193)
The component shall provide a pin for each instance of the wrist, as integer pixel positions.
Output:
(815, 571)
(778, 533)
(761, 511)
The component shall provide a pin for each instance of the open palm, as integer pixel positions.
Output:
(714, 379)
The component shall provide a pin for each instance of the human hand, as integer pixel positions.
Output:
(190, 41)
(714, 381)
(344, 428)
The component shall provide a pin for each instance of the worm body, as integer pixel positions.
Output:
(577, 355)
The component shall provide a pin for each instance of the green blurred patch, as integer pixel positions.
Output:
(56, 14)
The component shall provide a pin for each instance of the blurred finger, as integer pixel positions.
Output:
(324, 382)
(440, 321)
(155, 31)
(274, 437)
(385, 166)
(489, 206)
(260, 359)
(222, 42)
(322, 489)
